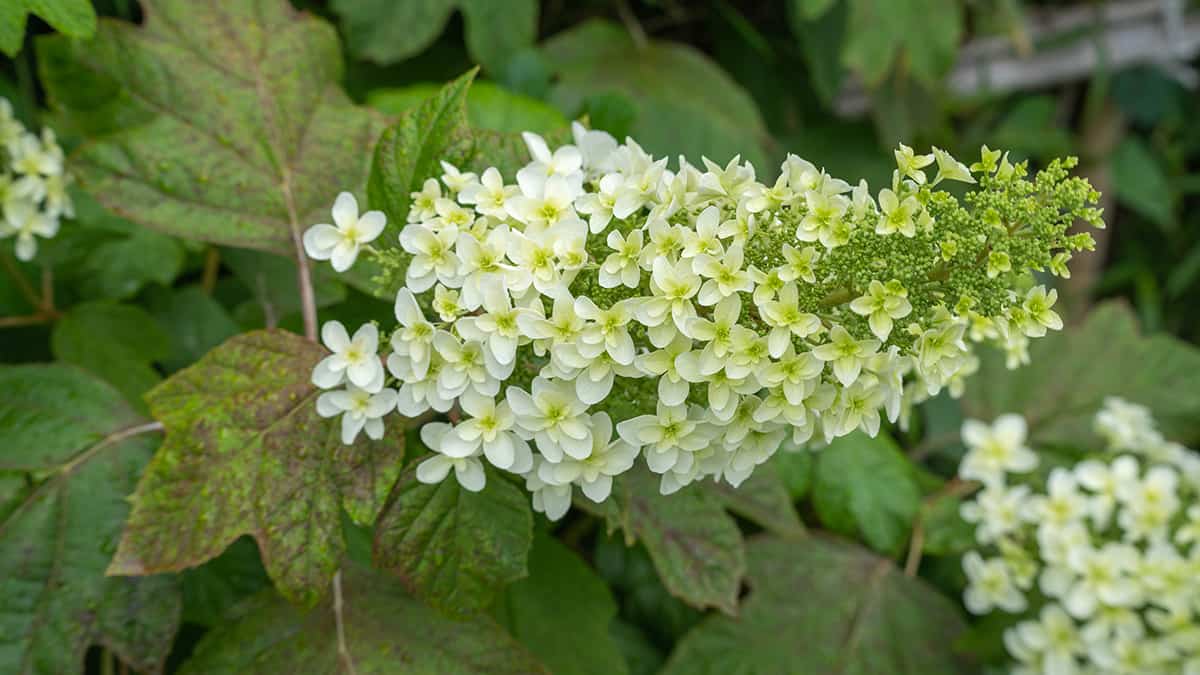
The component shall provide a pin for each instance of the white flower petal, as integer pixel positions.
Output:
(345, 210)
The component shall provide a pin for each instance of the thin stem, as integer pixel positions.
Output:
(913, 562)
(212, 268)
(114, 437)
(631, 24)
(954, 488)
(48, 290)
(308, 299)
(26, 288)
(338, 606)
(29, 320)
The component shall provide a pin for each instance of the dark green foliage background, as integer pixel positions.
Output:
(204, 135)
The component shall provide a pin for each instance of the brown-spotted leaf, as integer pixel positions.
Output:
(820, 605)
(217, 121)
(386, 632)
(696, 547)
(451, 547)
(56, 535)
(1074, 370)
(246, 453)
(763, 500)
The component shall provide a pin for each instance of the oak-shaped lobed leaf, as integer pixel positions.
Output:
(247, 453)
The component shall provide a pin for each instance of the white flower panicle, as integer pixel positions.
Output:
(33, 184)
(606, 308)
(1100, 561)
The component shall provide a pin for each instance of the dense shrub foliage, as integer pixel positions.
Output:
(596, 338)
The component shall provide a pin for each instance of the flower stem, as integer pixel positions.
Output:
(308, 299)
(343, 650)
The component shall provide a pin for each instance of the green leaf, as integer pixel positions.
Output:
(946, 533)
(644, 601)
(488, 107)
(922, 34)
(686, 103)
(244, 136)
(14, 488)
(866, 487)
(271, 281)
(641, 656)
(820, 605)
(55, 545)
(795, 469)
(810, 9)
(821, 33)
(50, 413)
(386, 633)
(104, 256)
(409, 152)
(696, 547)
(83, 104)
(246, 453)
(74, 18)
(611, 112)
(117, 342)
(211, 590)
(195, 321)
(1032, 128)
(561, 591)
(1072, 372)
(1141, 184)
(119, 269)
(843, 149)
(762, 499)
(385, 31)
(498, 31)
(454, 548)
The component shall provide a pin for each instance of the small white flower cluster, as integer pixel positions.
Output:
(601, 263)
(33, 184)
(1102, 562)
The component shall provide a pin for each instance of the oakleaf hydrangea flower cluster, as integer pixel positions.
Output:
(33, 184)
(1099, 560)
(605, 307)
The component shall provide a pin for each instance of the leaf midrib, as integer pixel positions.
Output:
(58, 483)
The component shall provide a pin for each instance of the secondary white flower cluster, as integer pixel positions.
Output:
(1102, 561)
(33, 184)
(601, 267)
